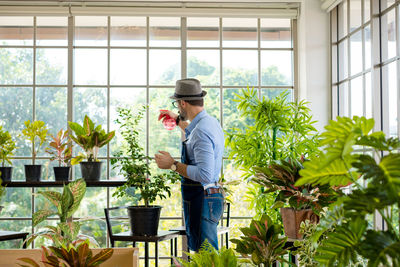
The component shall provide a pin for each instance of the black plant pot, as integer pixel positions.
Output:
(6, 173)
(62, 173)
(144, 220)
(91, 170)
(33, 173)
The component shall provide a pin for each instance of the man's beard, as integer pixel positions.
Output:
(183, 115)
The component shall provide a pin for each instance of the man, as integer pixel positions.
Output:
(200, 164)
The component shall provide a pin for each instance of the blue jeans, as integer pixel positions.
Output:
(213, 208)
(202, 215)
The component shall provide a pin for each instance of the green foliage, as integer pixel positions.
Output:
(278, 130)
(261, 242)
(66, 203)
(134, 164)
(71, 255)
(2, 190)
(339, 166)
(208, 256)
(36, 133)
(7, 146)
(60, 148)
(90, 137)
(281, 175)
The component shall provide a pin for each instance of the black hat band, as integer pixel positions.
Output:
(180, 96)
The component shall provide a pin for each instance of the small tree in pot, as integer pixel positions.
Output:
(7, 146)
(36, 133)
(60, 150)
(90, 138)
(141, 184)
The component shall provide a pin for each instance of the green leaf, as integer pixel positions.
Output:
(101, 257)
(52, 196)
(67, 200)
(78, 190)
(30, 261)
(41, 215)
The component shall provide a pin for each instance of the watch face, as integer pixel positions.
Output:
(173, 167)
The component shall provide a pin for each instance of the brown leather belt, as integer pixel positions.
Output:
(211, 191)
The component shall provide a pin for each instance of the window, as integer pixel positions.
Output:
(131, 61)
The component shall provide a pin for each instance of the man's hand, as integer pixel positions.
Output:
(164, 112)
(164, 160)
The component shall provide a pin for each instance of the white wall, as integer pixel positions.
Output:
(314, 58)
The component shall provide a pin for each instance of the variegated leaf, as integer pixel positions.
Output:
(52, 196)
(41, 215)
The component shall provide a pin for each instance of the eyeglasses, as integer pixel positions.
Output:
(175, 103)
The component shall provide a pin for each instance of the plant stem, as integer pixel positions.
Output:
(274, 130)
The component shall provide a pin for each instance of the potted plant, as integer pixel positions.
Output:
(261, 243)
(140, 185)
(60, 150)
(7, 146)
(90, 138)
(208, 256)
(273, 129)
(375, 181)
(36, 133)
(73, 255)
(65, 203)
(296, 203)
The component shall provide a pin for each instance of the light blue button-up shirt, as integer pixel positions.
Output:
(204, 148)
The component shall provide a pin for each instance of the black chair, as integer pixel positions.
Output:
(11, 235)
(127, 236)
(222, 229)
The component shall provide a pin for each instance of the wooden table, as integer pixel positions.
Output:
(10, 235)
(161, 236)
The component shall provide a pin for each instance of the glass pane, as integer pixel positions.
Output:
(393, 102)
(367, 10)
(93, 203)
(212, 102)
(239, 32)
(232, 117)
(96, 228)
(334, 63)
(239, 205)
(18, 172)
(126, 97)
(367, 43)
(357, 105)
(16, 203)
(368, 96)
(51, 66)
(344, 99)
(388, 35)
(202, 32)
(276, 33)
(128, 31)
(343, 57)
(165, 32)
(165, 66)
(276, 68)
(355, 14)
(16, 30)
(386, 3)
(159, 137)
(240, 67)
(204, 65)
(19, 100)
(171, 207)
(274, 92)
(128, 66)
(90, 31)
(342, 25)
(90, 66)
(52, 31)
(356, 53)
(51, 107)
(16, 65)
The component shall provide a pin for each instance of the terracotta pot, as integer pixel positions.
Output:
(292, 219)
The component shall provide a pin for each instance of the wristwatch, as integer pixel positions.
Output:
(174, 166)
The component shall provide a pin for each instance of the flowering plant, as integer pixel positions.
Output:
(281, 175)
(133, 164)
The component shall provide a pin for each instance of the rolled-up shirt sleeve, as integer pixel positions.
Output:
(203, 150)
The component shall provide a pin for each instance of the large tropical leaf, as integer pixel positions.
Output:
(29, 261)
(100, 257)
(381, 248)
(340, 247)
(41, 215)
(52, 196)
(67, 200)
(78, 190)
